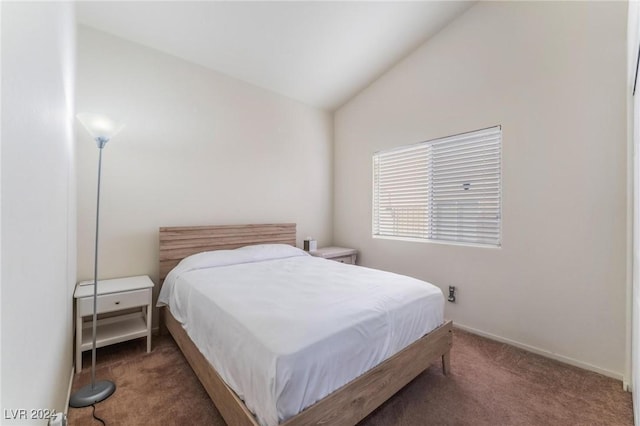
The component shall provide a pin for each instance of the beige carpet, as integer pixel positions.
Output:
(490, 384)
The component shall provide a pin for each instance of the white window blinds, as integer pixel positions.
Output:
(447, 189)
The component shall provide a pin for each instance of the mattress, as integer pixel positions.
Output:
(284, 329)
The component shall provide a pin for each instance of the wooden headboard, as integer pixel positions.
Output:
(178, 242)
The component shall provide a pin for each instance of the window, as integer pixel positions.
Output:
(447, 189)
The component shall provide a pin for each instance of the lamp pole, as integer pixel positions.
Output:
(101, 141)
(103, 389)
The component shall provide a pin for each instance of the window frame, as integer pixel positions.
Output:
(456, 138)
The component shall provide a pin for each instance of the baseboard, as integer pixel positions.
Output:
(545, 353)
(73, 373)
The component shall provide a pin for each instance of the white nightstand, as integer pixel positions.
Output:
(113, 295)
(339, 254)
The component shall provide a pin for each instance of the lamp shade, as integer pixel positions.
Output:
(99, 126)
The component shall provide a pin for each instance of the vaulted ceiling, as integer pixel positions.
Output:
(319, 53)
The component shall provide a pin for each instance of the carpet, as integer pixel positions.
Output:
(490, 383)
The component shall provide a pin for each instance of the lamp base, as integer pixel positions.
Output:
(89, 395)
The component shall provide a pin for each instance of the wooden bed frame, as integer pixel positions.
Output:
(345, 406)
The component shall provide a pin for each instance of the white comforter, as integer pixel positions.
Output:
(285, 330)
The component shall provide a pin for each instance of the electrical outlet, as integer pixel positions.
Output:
(452, 294)
(59, 419)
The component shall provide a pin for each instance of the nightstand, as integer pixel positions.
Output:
(339, 254)
(113, 296)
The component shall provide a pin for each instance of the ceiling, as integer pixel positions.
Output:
(319, 53)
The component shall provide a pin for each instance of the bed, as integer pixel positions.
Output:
(343, 404)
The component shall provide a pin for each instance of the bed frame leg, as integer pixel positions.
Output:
(162, 323)
(446, 363)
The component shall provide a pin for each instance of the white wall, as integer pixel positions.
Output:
(553, 75)
(38, 206)
(199, 148)
(633, 126)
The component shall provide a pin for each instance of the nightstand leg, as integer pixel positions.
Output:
(78, 343)
(149, 310)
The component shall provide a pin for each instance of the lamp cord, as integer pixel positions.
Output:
(96, 417)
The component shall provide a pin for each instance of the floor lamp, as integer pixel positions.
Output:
(102, 129)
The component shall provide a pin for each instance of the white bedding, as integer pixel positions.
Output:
(285, 329)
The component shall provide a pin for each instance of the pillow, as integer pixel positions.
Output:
(270, 251)
(212, 259)
(246, 254)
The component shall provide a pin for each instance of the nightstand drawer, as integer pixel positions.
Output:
(344, 259)
(114, 302)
